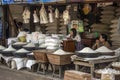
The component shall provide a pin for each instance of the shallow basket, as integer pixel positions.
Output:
(87, 55)
(7, 53)
(59, 59)
(31, 57)
(20, 55)
(98, 75)
(29, 48)
(108, 53)
(40, 55)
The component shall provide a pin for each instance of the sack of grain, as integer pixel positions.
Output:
(108, 12)
(118, 9)
(107, 16)
(108, 8)
(114, 26)
(99, 25)
(114, 21)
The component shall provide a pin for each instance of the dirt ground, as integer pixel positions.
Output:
(8, 74)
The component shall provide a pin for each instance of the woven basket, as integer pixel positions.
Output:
(40, 55)
(59, 59)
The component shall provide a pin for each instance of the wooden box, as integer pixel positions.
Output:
(40, 55)
(76, 75)
(59, 59)
(69, 45)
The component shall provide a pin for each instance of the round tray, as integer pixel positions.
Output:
(108, 53)
(7, 53)
(17, 46)
(20, 55)
(87, 55)
(29, 48)
(31, 57)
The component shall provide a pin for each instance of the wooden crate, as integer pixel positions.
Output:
(76, 75)
(59, 59)
(40, 55)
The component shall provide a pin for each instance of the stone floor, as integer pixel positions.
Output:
(8, 74)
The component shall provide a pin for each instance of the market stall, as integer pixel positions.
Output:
(44, 33)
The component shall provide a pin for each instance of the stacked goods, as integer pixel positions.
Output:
(115, 35)
(52, 27)
(52, 43)
(107, 14)
(34, 37)
(62, 27)
(117, 12)
(42, 40)
(101, 28)
(76, 75)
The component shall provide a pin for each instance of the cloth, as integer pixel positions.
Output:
(11, 40)
(30, 63)
(20, 62)
(7, 59)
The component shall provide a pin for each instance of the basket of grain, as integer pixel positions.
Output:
(40, 55)
(59, 57)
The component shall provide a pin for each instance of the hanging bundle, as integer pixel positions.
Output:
(50, 14)
(56, 13)
(43, 15)
(35, 17)
(26, 15)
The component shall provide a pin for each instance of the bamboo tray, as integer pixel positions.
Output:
(59, 59)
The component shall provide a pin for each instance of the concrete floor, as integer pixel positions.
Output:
(8, 74)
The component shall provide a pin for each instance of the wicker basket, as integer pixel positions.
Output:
(76, 75)
(98, 75)
(59, 59)
(40, 55)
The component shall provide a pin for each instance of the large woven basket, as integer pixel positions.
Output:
(40, 55)
(59, 59)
